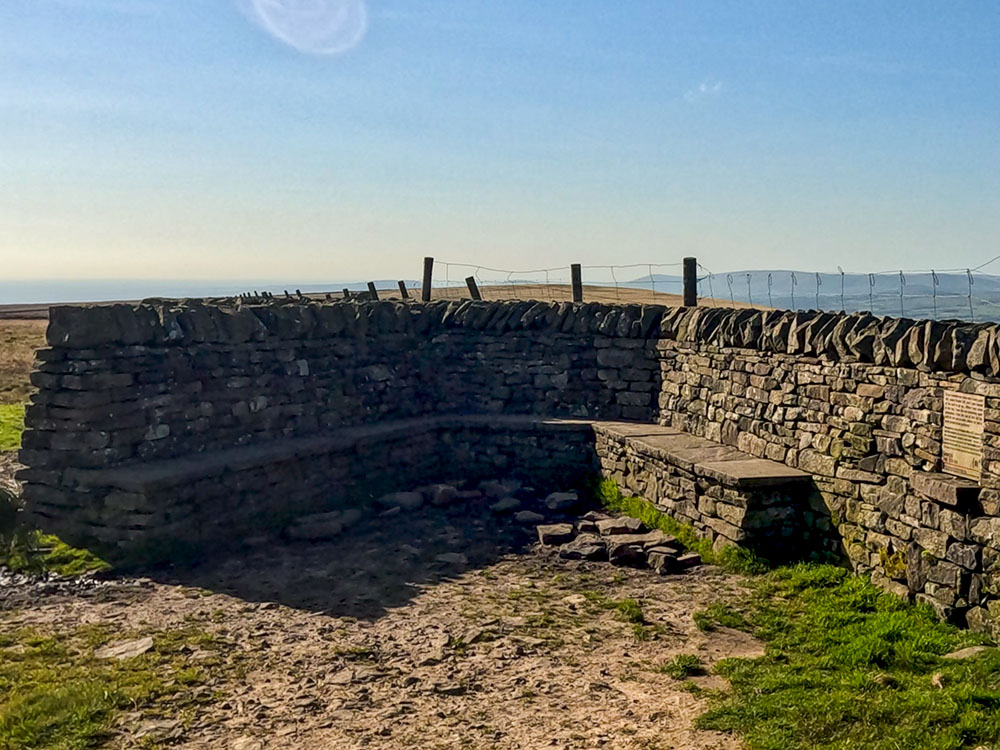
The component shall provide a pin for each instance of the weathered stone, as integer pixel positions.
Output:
(403, 500)
(555, 533)
(945, 488)
(688, 560)
(970, 652)
(621, 525)
(498, 489)
(506, 505)
(625, 554)
(125, 649)
(663, 560)
(562, 501)
(528, 517)
(584, 547)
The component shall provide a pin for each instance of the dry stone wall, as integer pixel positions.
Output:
(853, 399)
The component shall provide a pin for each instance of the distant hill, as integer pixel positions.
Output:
(853, 292)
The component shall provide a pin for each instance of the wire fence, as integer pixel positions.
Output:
(614, 283)
(954, 293)
(968, 294)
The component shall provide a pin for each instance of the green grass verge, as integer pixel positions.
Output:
(55, 694)
(34, 552)
(849, 666)
(11, 426)
(737, 559)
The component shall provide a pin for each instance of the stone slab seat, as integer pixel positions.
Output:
(148, 511)
(164, 473)
(703, 457)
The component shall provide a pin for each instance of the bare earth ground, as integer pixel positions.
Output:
(371, 642)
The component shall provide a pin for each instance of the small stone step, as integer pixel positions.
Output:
(628, 554)
(584, 547)
(622, 525)
(555, 533)
(688, 560)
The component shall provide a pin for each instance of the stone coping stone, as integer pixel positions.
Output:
(701, 456)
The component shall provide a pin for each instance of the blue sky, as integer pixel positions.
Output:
(185, 139)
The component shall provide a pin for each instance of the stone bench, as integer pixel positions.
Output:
(728, 496)
(151, 510)
(147, 511)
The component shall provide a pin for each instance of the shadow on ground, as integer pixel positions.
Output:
(378, 565)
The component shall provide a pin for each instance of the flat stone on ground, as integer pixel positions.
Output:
(404, 500)
(688, 560)
(506, 505)
(555, 533)
(584, 547)
(622, 525)
(630, 554)
(125, 650)
(528, 517)
(967, 653)
(562, 500)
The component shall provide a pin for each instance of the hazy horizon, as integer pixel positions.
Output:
(245, 140)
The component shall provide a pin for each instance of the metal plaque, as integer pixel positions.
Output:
(962, 438)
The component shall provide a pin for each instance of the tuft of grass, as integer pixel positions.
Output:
(849, 666)
(737, 559)
(630, 610)
(11, 426)
(717, 614)
(55, 694)
(682, 666)
(33, 552)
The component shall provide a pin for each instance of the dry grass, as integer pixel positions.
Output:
(18, 341)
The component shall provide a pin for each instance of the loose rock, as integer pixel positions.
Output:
(562, 500)
(556, 533)
(125, 650)
(528, 517)
(506, 505)
(623, 525)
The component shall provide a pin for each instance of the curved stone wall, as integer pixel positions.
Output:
(853, 399)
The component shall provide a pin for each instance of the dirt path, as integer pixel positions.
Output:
(374, 642)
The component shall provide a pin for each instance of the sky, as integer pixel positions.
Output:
(347, 139)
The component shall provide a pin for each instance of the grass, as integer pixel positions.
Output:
(55, 694)
(732, 558)
(719, 614)
(11, 426)
(18, 341)
(846, 664)
(850, 666)
(34, 552)
(683, 666)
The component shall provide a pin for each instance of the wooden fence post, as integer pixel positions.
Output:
(347, 293)
(690, 282)
(577, 276)
(425, 290)
(470, 281)
(402, 289)
(372, 290)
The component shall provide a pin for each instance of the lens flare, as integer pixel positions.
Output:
(319, 27)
